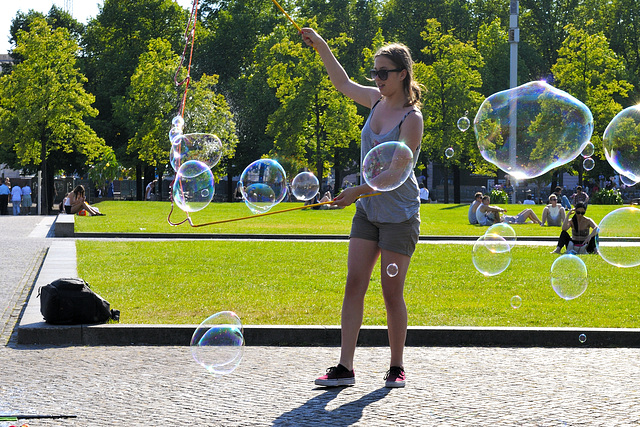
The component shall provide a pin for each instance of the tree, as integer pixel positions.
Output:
(113, 43)
(313, 117)
(449, 80)
(43, 105)
(150, 104)
(589, 70)
(56, 18)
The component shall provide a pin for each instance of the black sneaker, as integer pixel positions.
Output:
(337, 376)
(395, 377)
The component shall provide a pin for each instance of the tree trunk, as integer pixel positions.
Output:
(456, 184)
(139, 188)
(446, 184)
(230, 190)
(46, 197)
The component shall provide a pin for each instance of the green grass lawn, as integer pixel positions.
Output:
(151, 217)
(276, 282)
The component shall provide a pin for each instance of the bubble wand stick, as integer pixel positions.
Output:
(188, 219)
(290, 19)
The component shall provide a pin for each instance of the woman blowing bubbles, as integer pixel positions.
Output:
(384, 226)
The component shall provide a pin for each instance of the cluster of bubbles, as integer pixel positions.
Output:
(531, 129)
(218, 343)
(263, 185)
(620, 141)
(588, 163)
(492, 251)
(387, 166)
(192, 156)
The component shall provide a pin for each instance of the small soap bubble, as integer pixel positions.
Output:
(449, 152)
(620, 143)
(516, 301)
(615, 233)
(569, 276)
(464, 122)
(203, 147)
(588, 150)
(627, 181)
(218, 343)
(392, 270)
(263, 185)
(588, 164)
(193, 187)
(305, 186)
(582, 338)
(505, 231)
(491, 254)
(550, 130)
(174, 133)
(387, 166)
(178, 122)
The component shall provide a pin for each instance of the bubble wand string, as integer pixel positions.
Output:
(258, 215)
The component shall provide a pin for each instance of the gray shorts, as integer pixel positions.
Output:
(400, 237)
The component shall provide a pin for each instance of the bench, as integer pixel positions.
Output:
(64, 226)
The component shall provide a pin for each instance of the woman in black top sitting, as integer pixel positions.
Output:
(584, 231)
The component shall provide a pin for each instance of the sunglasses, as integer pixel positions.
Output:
(383, 74)
(580, 212)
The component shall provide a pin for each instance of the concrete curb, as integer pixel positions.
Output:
(60, 261)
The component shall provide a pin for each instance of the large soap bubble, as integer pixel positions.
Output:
(305, 186)
(491, 254)
(387, 166)
(621, 143)
(505, 231)
(263, 185)
(204, 147)
(616, 232)
(569, 276)
(218, 343)
(193, 187)
(529, 130)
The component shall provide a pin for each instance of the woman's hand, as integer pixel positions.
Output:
(311, 37)
(347, 196)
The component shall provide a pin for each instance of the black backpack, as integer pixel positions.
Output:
(72, 302)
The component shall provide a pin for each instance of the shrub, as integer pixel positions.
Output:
(606, 197)
(499, 197)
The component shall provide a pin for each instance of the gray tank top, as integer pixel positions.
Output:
(397, 205)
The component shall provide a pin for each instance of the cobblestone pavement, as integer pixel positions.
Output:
(164, 386)
(23, 244)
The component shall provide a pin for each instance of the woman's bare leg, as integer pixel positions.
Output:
(363, 255)
(393, 293)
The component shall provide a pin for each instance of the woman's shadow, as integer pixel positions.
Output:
(314, 412)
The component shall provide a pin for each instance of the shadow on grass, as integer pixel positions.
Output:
(454, 207)
(314, 411)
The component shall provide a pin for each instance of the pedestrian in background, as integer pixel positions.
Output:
(16, 199)
(26, 199)
(4, 198)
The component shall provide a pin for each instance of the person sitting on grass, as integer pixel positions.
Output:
(488, 215)
(477, 201)
(553, 214)
(76, 201)
(581, 240)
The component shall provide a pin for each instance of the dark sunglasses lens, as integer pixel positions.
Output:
(580, 213)
(382, 74)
